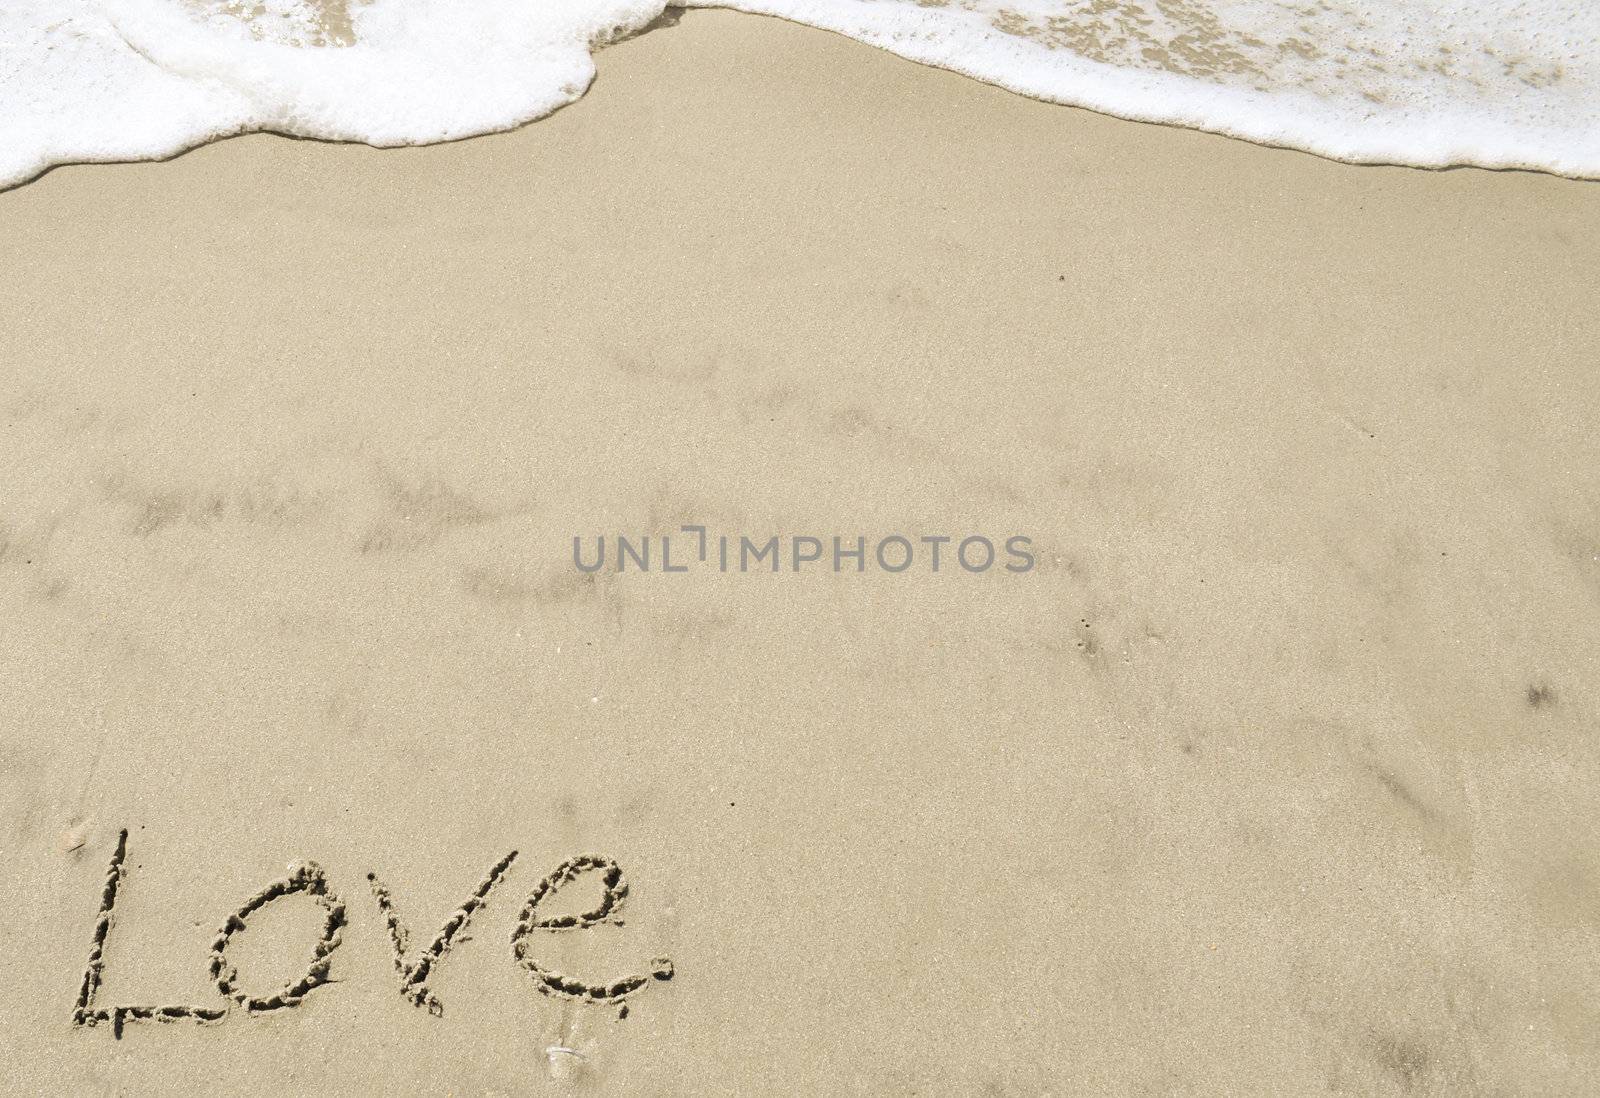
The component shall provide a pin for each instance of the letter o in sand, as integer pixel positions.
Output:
(309, 879)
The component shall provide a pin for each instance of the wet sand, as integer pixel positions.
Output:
(1274, 774)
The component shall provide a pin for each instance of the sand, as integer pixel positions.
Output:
(1275, 774)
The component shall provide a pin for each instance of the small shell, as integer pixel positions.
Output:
(74, 837)
(566, 1064)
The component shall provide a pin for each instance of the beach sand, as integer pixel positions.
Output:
(1276, 774)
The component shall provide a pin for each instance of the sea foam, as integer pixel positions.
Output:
(1494, 83)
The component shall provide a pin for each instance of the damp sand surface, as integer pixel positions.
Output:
(1275, 774)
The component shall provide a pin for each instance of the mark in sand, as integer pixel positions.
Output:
(309, 879)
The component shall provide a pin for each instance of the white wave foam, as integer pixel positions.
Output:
(1430, 83)
(140, 79)
(1496, 83)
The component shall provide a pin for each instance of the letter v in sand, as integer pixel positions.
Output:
(414, 973)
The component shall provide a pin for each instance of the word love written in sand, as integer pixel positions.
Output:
(413, 969)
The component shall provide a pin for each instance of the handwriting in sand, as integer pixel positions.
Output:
(414, 968)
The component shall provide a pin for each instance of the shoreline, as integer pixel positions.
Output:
(1257, 115)
(1273, 773)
